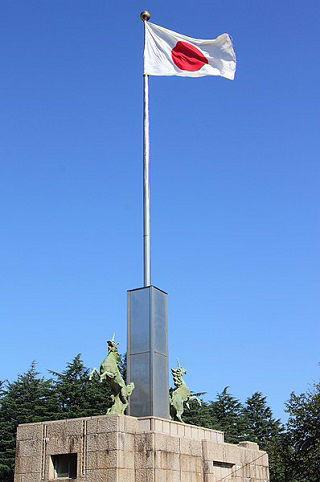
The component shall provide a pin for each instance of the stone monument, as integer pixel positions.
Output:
(120, 448)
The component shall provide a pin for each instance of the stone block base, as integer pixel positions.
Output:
(119, 448)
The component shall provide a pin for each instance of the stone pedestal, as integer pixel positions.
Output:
(119, 448)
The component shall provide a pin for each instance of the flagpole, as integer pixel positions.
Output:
(147, 309)
(146, 185)
(145, 16)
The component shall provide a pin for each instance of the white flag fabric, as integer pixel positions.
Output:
(170, 53)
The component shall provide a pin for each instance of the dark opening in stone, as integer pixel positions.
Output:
(65, 466)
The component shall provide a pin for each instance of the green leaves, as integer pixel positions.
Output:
(260, 426)
(29, 399)
(303, 434)
(77, 396)
(226, 413)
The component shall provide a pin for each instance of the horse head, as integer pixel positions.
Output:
(177, 374)
(113, 349)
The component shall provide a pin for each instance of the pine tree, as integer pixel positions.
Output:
(28, 399)
(303, 432)
(196, 414)
(226, 415)
(77, 395)
(261, 427)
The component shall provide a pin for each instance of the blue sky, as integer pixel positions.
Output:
(235, 196)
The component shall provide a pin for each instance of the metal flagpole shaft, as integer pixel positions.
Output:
(146, 185)
(146, 176)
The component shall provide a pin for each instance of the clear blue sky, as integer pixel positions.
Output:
(235, 190)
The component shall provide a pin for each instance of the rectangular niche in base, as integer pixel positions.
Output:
(64, 466)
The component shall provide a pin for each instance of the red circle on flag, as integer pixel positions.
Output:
(188, 57)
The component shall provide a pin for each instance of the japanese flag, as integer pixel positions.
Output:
(170, 53)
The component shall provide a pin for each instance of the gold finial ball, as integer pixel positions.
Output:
(145, 15)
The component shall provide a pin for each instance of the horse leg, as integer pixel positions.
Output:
(93, 372)
(179, 411)
(178, 415)
(105, 375)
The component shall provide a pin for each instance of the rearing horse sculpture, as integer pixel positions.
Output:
(180, 395)
(109, 370)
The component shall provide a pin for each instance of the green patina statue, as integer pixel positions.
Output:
(109, 370)
(180, 395)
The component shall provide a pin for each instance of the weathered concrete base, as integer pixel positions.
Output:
(119, 448)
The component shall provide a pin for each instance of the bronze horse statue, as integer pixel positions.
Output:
(180, 395)
(109, 370)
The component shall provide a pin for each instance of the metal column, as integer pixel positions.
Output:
(148, 352)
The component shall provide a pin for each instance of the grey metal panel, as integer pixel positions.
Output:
(139, 320)
(148, 352)
(160, 386)
(159, 308)
(140, 400)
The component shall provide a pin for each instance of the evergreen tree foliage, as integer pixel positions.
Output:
(261, 427)
(226, 415)
(303, 434)
(28, 399)
(77, 395)
(2, 388)
(198, 415)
